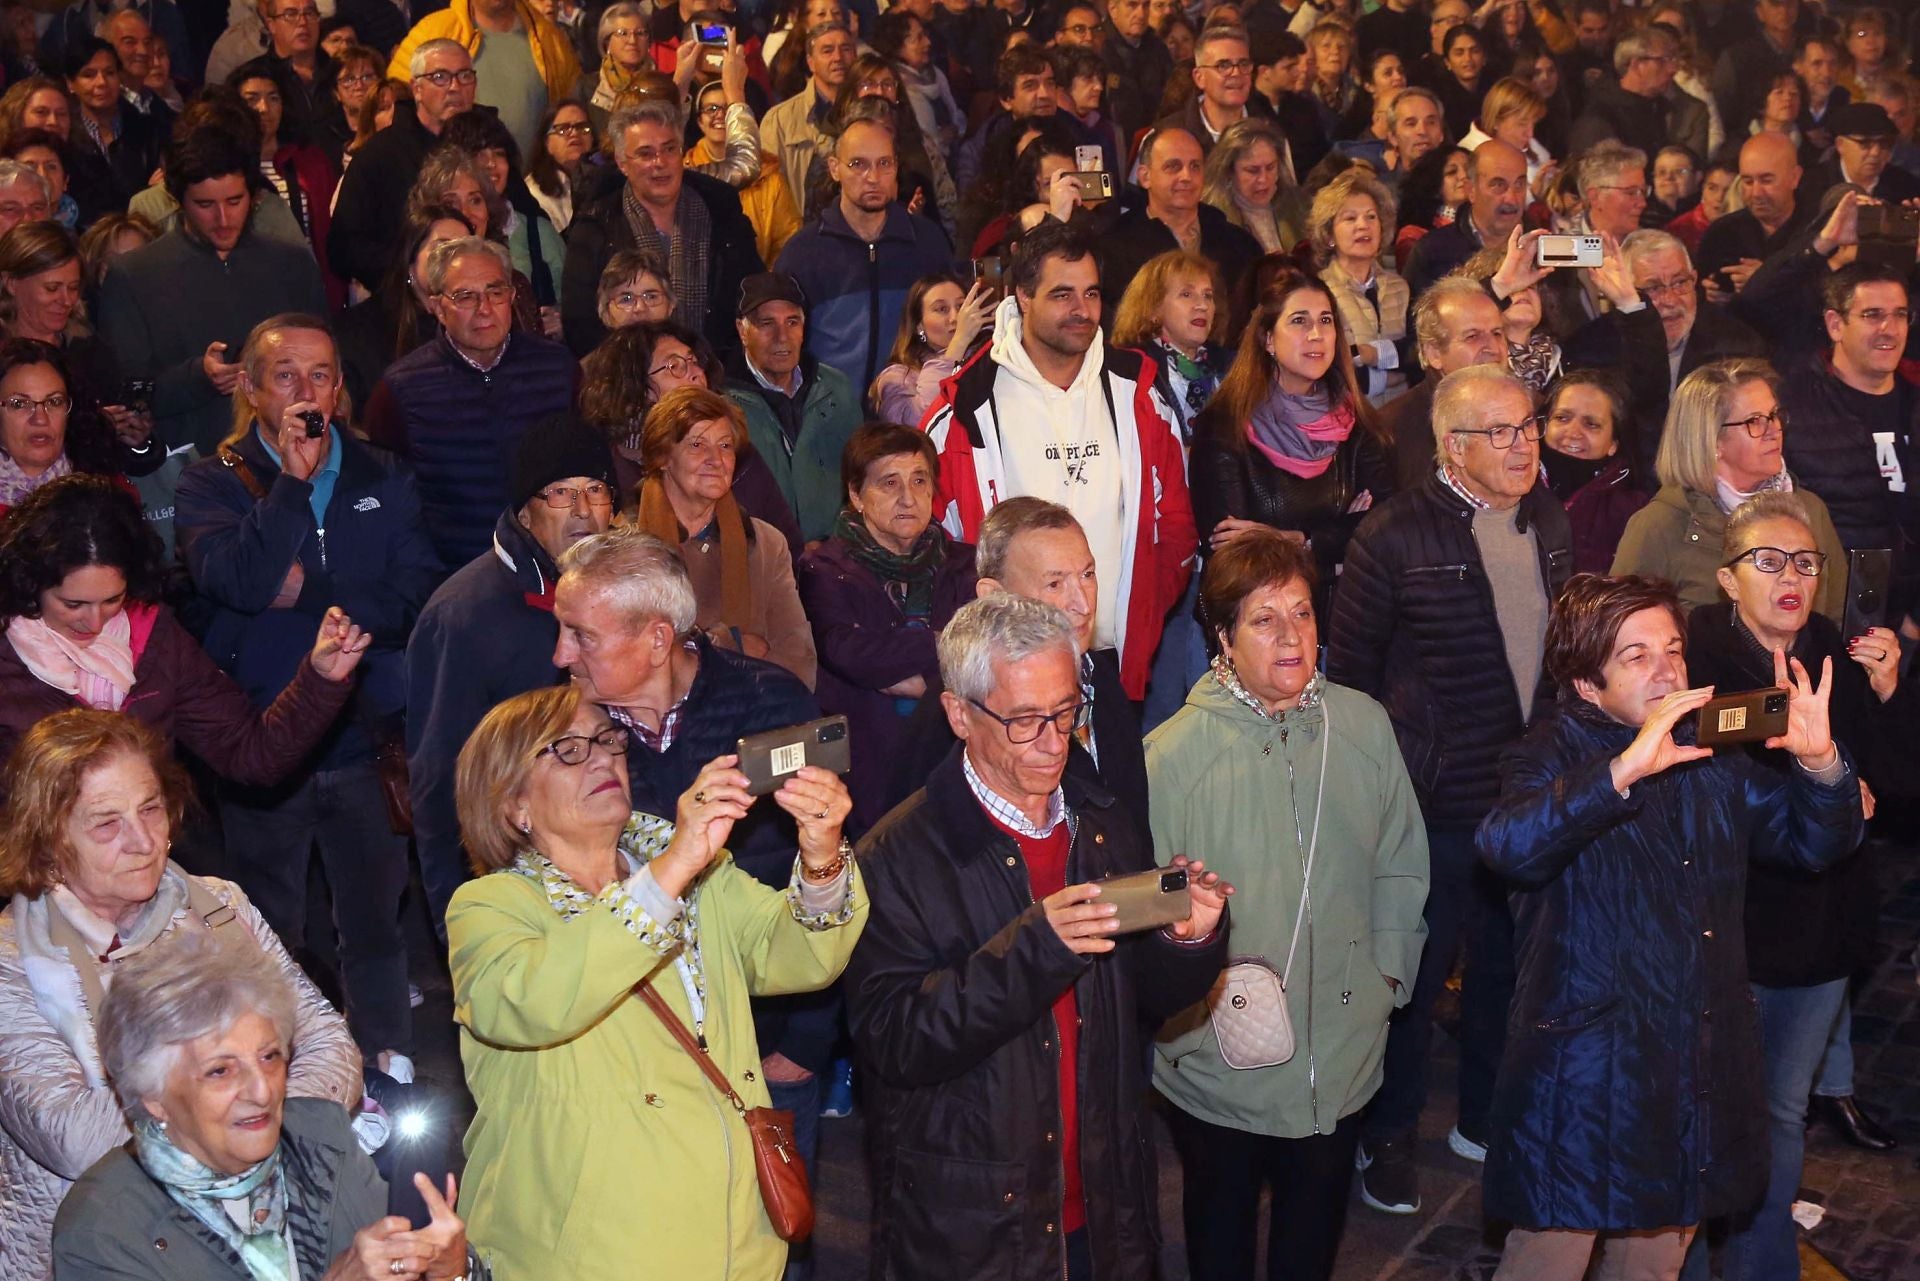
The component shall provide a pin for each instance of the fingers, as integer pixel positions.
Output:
(1780, 668)
(1071, 895)
(437, 1207)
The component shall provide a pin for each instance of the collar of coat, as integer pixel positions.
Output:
(971, 834)
(973, 385)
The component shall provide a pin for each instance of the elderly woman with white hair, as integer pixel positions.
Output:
(226, 1177)
(94, 798)
(1351, 225)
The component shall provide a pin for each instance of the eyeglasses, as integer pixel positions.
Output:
(360, 78)
(1877, 316)
(494, 295)
(573, 129)
(1643, 190)
(1772, 560)
(888, 87)
(667, 153)
(1679, 286)
(1881, 143)
(445, 79)
(1024, 729)
(677, 366)
(1761, 426)
(1080, 29)
(1229, 66)
(573, 749)
(715, 109)
(58, 403)
(296, 15)
(562, 497)
(1502, 435)
(624, 33)
(627, 299)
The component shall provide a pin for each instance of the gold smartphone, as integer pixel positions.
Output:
(1149, 899)
(1750, 717)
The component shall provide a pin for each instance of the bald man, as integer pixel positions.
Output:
(1496, 199)
(1171, 173)
(1735, 244)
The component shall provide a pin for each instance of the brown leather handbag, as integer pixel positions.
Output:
(776, 1157)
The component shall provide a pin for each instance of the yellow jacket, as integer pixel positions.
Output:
(553, 53)
(766, 201)
(599, 1151)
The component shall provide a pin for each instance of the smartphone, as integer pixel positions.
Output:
(1149, 899)
(712, 33)
(1889, 235)
(1869, 570)
(991, 271)
(1095, 182)
(138, 395)
(1750, 717)
(770, 757)
(1568, 251)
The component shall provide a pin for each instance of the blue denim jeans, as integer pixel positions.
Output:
(1795, 1023)
(802, 1098)
(1836, 1069)
(1180, 661)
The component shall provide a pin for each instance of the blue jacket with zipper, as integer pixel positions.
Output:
(370, 556)
(856, 290)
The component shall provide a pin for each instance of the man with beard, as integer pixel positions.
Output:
(1497, 197)
(1049, 410)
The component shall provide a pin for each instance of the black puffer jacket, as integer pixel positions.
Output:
(950, 998)
(1831, 450)
(1414, 626)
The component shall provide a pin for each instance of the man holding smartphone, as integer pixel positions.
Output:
(1002, 1018)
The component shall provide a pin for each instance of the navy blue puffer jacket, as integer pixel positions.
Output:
(1630, 1095)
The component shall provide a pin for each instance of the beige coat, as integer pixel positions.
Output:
(790, 134)
(1364, 325)
(776, 612)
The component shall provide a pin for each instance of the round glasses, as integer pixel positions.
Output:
(574, 749)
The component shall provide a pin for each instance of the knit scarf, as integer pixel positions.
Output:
(1299, 434)
(686, 260)
(99, 675)
(258, 1234)
(15, 484)
(736, 586)
(1229, 680)
(907, 579)
(615, 82)
(1729, 498)
(1535, 362)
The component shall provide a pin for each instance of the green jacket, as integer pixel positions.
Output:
(1237, 789)
(809, 473)
(599, 1152)
(1678, 536)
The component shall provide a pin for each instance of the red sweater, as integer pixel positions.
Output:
(1046, 861)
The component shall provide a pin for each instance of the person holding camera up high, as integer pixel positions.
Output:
(292, 517)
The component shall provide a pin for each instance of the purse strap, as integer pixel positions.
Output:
(684, 1036)
(1313, 842)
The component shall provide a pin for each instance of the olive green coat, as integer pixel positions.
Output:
(1678, 536)
(1237, 789)
(599, 1151)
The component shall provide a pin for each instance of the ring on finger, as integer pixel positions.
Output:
(699, 798)
(395, 1267)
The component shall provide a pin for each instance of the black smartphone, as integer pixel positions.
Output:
(1869, 570)
(138, 395)
(1750, 717)
(1889, 235)
(770, 757)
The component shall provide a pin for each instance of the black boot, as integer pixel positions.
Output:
(1852, 1124)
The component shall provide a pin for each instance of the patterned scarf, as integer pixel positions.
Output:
(908, 579)
(1229, 680)
(15, 484)
(686, 260)
(1299, 434)
(615, 81)
(1201, 377)
(258, 1233)
(1536, 362)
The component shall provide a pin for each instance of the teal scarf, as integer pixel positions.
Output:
(908, 579)
(262, 1244)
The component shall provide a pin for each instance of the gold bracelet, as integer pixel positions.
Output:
(832, 869)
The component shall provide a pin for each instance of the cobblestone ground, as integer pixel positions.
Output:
(1871, 1231)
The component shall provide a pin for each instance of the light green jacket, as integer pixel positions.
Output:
(1237, 789)
(599, 1151)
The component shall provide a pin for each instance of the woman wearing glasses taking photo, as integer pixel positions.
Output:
(1721, 446)
(1806, 933)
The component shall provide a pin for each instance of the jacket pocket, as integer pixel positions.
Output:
(1573, 1020)
(955, 1217)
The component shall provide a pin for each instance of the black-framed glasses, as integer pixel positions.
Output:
(565, 496)
(445, 79)
(1502, 435)
(1761, 426)
(1024, 729)
(571, 129)
(1772, 560)
(573, 749)
(1229, 66)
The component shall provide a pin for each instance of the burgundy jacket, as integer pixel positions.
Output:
(184, 696)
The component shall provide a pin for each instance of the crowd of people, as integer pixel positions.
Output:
(435, 434)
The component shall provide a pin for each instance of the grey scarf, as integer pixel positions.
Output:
(687, 259)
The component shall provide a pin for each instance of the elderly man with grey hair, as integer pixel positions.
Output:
(226, 1176)
(458, 407)
(24, 196)
(1456, 324)
(1442, 617)
(364, 238)
(1000, 1011)
(1642, 109)
(692, 222)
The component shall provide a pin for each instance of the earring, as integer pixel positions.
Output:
(526, 828)
(921, 333)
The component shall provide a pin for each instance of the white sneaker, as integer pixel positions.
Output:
(1465, 1148)
(399, 1067)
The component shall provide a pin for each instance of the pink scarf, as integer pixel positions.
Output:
(1301, 448)
(99, 675)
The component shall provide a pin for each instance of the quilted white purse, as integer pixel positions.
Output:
(1248, 1003)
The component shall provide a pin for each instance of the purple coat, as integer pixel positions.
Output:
(865, 644)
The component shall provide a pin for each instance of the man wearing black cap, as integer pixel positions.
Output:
(800, 413)
(488, 633)
(1863, 139)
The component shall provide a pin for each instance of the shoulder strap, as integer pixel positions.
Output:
(654, 1002)
(206, 905)
(1313, 842)
(230, 458)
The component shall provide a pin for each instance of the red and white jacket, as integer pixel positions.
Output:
(1160, 546)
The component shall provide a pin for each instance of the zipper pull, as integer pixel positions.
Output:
(323, 546)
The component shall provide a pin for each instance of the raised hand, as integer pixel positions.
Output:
(703, 820)
(380, 1251)
(819, 803)
(1083, 924)
(1613, 278)
(338, 645)
(1520, 269)
(1653, 749)
(1878, 650)
(1809, 736)
(976, 313)
(444, 1240)
(1209, 892)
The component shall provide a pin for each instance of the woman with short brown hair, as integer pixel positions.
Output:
(741, 566)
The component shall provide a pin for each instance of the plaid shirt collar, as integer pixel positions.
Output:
(1452, 481)
(661, 739)
(1008, 814)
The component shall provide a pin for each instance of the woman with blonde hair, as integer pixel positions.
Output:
(1509, 113)
(1723, 443)
(1351, 223)
(1249, 177)
(740, 566)
(1175, 311)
